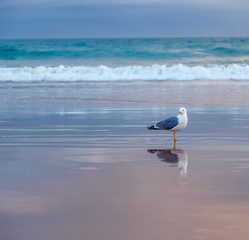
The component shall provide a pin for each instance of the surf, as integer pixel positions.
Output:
(126, 73)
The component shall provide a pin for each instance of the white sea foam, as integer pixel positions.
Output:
(104, 73)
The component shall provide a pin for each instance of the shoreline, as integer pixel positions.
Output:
(123, 94)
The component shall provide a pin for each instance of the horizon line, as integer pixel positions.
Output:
(71, 38)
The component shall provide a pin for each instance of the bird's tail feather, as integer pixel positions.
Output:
(152, 128)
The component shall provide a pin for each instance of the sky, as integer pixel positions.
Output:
(123, 18)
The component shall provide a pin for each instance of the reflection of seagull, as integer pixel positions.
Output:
(173, 156)
(173, 124)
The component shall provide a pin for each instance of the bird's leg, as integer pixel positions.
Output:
(174, 137)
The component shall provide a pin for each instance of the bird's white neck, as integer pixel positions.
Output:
(182, 116)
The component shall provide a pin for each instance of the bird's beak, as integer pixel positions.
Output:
(180, 112)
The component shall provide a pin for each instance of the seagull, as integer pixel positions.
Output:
(173, 124)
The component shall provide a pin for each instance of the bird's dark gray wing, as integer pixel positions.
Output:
(168, 123)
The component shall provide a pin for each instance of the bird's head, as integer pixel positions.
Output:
(182, 111)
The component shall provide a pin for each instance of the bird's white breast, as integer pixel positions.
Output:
(182, 123)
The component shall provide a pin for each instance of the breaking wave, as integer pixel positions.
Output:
(127, 73)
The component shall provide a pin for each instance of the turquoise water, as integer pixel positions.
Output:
(125, 59)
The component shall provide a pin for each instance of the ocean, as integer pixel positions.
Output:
(76, 60)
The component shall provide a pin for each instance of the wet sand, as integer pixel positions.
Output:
(98, 173)
(124, 94)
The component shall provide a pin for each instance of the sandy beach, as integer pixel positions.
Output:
(77, 162)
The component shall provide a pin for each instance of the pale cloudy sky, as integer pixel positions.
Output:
(123, 18)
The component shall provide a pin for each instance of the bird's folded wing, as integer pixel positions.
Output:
(168, 123)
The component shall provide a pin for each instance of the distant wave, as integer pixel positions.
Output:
(225, 50)
(104, 73)
(229, 52)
